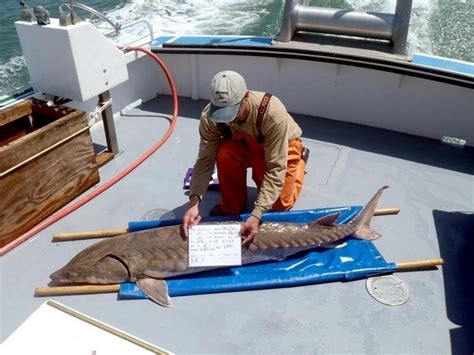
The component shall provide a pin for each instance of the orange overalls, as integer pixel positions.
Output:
(237, 154)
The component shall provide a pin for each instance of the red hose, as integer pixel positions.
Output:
(57, 216)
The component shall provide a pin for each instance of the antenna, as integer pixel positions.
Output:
(72, 12)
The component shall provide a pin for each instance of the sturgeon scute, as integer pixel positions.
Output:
(147, 257)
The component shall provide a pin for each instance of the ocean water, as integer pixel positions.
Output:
(440, 27)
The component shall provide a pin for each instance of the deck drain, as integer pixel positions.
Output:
(388, 290)
(158, 214)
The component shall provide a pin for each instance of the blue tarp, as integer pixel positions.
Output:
(355, 260)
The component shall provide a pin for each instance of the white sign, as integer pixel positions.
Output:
(55, 329)
(215, 245)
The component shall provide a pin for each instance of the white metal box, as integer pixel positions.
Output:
(75, 62)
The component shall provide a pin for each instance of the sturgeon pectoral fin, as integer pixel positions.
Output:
(367, 233)
(155, 289)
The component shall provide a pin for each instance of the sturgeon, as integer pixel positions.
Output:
(150, 256)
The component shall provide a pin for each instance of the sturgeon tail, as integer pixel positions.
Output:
(362, 221)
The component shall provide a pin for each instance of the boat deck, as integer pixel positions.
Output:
(431, 183)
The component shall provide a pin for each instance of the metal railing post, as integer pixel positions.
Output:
(288, 24)
(400, 27)
(109, 125)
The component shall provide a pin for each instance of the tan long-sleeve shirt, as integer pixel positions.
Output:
(278, 128)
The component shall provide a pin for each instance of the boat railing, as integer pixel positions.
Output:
(69, 17)
(392, 28)
(149, 35)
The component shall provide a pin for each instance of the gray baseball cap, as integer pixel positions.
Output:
(228, 88)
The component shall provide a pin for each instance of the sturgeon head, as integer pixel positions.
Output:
(96, 264)
(116, 260)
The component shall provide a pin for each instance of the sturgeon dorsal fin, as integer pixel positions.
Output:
(328, 220)
(362, 221)
(155, 289)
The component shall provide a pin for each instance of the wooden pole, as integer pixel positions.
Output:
(419, 264)
(104, 233)
(112, 232)
(75, 290)
(386, 211)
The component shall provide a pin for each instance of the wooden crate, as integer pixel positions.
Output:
(46, 160)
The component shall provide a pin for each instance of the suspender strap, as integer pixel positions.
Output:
(262, 110)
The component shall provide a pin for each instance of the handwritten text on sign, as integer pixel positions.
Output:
(215, 245)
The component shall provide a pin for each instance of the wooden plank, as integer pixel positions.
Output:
(15, 130)
(40, 139)
(42, 109)
(103, 158)
(40, 188)
(13, 113)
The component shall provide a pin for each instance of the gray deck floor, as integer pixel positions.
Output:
(430, 183)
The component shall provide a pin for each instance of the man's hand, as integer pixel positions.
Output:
(192, 215)
(249, 229)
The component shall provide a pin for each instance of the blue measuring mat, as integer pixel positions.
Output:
(356, 259)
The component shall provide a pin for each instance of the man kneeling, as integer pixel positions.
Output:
(239, 129)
